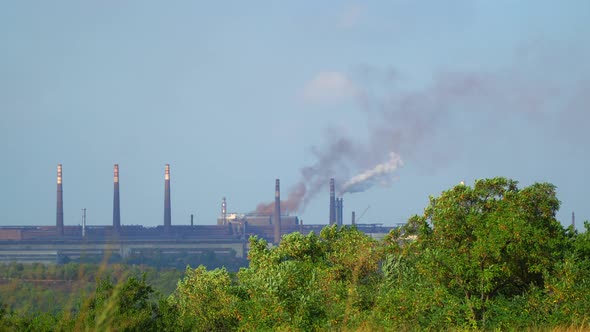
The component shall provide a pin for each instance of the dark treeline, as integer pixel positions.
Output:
(487, 257)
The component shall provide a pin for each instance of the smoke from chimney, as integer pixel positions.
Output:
(380, 174)
(406, 123)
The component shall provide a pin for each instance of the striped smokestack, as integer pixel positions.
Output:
(59, 222)
(332, 202)
(276, 218)
(167, 209)
(116, 202)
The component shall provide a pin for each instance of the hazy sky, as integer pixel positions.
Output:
(235, 94)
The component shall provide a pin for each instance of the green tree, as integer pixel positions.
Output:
(310, 282)
(488, 241)
(205, 300)
(125, 306)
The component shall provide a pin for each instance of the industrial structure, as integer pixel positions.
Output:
(116, 202)
(59, 243)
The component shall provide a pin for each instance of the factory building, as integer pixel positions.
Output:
(228, 237)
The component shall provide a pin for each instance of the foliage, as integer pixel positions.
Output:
(205, 301)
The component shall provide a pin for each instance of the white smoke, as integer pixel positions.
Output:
(381, 173)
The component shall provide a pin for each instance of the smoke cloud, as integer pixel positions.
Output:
(381, 173)
(408, 123)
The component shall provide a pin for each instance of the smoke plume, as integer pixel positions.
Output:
(381, 173)
(408, 123)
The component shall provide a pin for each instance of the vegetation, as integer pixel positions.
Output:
(487, 257)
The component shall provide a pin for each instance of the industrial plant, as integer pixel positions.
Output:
(61, 243)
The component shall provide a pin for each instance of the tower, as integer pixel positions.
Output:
(167, 208)
(573, 221)
(223, 211)
(276, 218)
(332, 202)
(340, 211)
(116, 202)
(59, 222)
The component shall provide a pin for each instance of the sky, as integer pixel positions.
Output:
(397, 100)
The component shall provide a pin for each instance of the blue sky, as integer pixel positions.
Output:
(235, 94)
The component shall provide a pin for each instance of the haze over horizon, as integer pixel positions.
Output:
(397, 100)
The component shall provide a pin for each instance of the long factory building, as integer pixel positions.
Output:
(59, 243)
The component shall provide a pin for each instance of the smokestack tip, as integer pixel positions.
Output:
(116, 173)
(332, 187)
(58, 173)
(167, 172)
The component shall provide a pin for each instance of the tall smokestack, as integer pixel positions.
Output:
(116, 203)
(341, 211)
(332, 202)
(59, 222)
(223, 211)
(167, 208)
(573, 220)
(337, 211)
(353, 221)
(276, 218)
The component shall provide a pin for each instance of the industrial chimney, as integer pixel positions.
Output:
(332, 202)
(573, 221)
(276, 218)
(167, 209)
(116, 203)
(223, 211)
(353, 221)
(59, 222)
(340, 211)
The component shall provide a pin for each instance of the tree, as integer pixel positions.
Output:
(488, 241)
(205, 300)
(310, 282)
(125, 305)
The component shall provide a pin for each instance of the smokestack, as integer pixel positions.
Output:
(116, 203)
(337, 211)
(341, 211)
(573, 221)
(276, 218)
(167, 208)
(59, 222)
(223, 211)
(84, 222)
(332, 202)
(353, 221)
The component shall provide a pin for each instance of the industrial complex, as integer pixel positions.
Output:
(61, 243)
